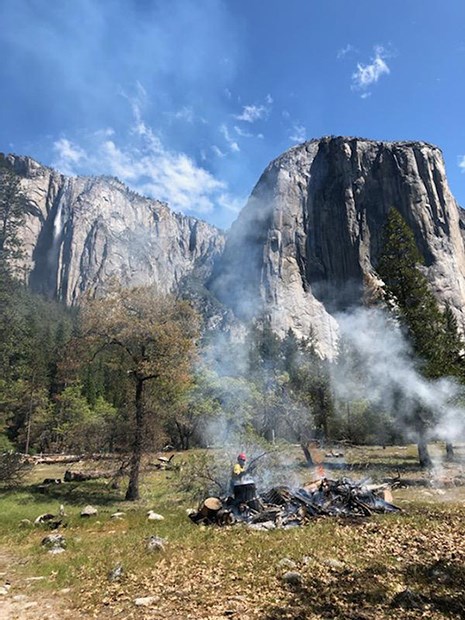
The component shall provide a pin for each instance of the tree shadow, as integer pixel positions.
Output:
(75, 493)
(365, 594)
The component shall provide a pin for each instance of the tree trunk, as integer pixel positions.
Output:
(423, 454)
(307, 454)
(132, 492)
(450, 455)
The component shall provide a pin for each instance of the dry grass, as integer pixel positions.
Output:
(350, 568)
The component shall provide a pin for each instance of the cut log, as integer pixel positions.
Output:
(82, 476)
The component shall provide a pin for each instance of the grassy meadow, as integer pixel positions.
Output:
(405, 565)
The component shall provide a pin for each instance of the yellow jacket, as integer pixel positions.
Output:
(238, 469)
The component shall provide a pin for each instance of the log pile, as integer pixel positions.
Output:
(284, 507)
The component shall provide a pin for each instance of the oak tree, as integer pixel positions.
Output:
(153, 337)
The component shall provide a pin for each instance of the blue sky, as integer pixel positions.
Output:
(189, 100)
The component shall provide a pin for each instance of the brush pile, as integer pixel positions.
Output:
(283, 507)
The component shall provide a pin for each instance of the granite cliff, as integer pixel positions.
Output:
(300, 251)
(310, 234)
(82, 232)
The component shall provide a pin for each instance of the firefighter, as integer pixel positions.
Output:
(238, 469)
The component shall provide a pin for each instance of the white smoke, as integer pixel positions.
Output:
(383, 371)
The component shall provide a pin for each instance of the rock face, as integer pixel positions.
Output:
(310, 233)
(82, 232)
(299, 252)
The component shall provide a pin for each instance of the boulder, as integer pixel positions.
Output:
(89, 511)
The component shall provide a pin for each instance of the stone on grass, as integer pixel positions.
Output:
(154, 516)
(54, 540)
(287, 563)
(118, 515)
(262, 527)
(292, 578)
(155, 543)
(145, 601)
(89, 511)
(334, 564)
(44, 518)
(116, 573)
(4, 589)
(25, 523)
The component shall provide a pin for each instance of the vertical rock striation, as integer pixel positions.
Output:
(311, 232)
(83, 232)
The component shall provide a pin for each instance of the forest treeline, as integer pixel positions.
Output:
(135, 371)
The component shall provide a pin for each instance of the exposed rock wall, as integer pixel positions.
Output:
(299, 251)
(311, 231)
(82, 232)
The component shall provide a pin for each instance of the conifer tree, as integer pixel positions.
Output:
(432, 334)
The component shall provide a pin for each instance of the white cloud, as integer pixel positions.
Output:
(233, 145)
(462, 163)
(69, 155)
(345, 50)
(186, 113)
(367, 75)
(218, 152)
(146, 165)
(252, 113)
(269, 99)
(242, 133)
(299, 133)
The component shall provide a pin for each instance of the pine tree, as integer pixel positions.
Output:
(432, 334)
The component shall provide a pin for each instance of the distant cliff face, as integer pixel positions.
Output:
(299, 252)
(82, 232)
(311, 232)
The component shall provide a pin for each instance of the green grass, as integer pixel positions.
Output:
(210, 572)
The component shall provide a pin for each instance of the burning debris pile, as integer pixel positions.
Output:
(283, 507)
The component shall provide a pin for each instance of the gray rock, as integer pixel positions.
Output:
(302, 248)
(89, 511)
(287, 563)
(266, 526)
(47, 516)
(292, 578)
(81, 232)
(334, 564)
(155, 543)
(118, 515)
(25, 523)
(154, 516)
(4, 589)
(146, 601)
(56, 543)
(310, 234)
(116, 573)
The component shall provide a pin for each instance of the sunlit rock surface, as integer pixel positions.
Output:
(298, 253)
(311, 231)
(83, 232)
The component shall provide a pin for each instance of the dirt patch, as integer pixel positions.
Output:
(22, 603)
